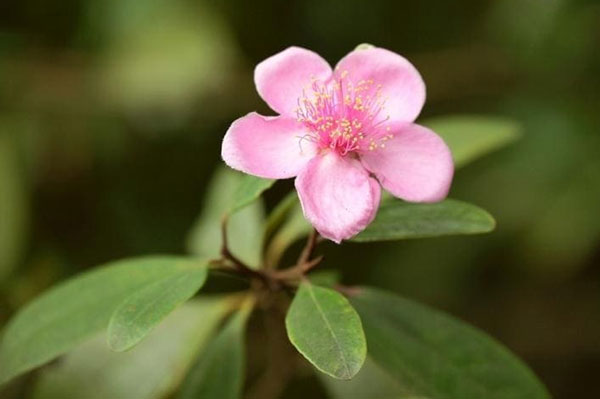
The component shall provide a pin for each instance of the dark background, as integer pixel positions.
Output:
(112, 112)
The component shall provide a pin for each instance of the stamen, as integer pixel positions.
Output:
(344, 116)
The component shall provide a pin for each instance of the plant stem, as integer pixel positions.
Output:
(238, 264)
(274, 280)
(297, 271)
(304, 264)
(309, 248)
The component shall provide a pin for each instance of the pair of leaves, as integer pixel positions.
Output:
(415, 351)
(75, 310)
(130, 296)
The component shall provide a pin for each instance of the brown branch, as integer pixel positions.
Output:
(238, 264)
(309, 248)
(274, 280)
(297, 271)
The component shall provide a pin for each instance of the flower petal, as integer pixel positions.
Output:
(269, 147)
(281, 78)
(415, 165)
(337, 195)
(400, 84)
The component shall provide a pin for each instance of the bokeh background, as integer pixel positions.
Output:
(112, 112)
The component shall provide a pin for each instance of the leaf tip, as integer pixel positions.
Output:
(364, 46)
(115, 338)
(347, 372)
(491, 222)
(115, 344)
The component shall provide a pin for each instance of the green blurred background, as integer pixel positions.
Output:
(112, 113)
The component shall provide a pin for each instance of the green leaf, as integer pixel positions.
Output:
(397, 220)
(471, 137)
(244, 228)
(249, 189)
(143, 310)
(292, 227)
(325, 328)
(436, 356)
(71, 312)
(14, 211)
(280, 213)
(219, 371)
(151, 370)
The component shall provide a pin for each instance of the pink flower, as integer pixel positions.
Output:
(342, 134)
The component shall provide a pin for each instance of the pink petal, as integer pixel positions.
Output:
(337, 195)
(269, 147)
(281, 78)
(402, 87)
(415, 165)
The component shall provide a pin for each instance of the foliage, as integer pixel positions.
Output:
(68, 314)
(406, 348)
(433, 355)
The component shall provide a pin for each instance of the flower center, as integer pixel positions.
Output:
(344, 116)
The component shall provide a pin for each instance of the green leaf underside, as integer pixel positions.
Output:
(244, 228)
(219, 370)
(281, 213)
(435, 356)
(249, 189)
(143, 310)
(295, 227)
(471, 137)
(151, 370)
(289, 225)
(327, 331)
(71, 312)
(397, 220)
